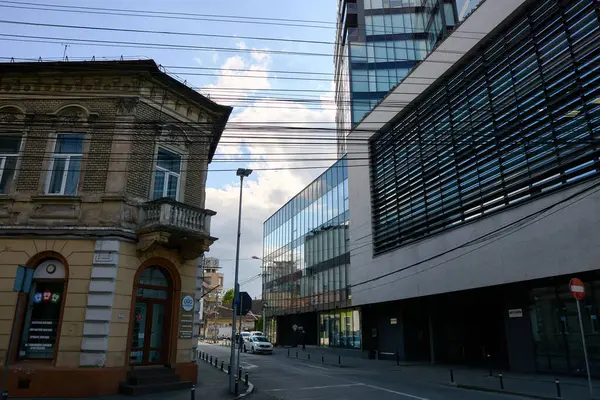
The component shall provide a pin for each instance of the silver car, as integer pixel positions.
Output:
(259, 344)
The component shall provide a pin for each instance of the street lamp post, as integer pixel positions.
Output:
(241, 172)
(264, 296)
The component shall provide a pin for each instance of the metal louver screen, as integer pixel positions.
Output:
(519, 119)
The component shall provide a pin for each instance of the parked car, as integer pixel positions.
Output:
(258, 344)
(256, 333)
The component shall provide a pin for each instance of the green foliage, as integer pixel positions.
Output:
(228, 297)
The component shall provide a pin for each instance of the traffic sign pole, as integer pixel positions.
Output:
(585, 355)
(577, 288)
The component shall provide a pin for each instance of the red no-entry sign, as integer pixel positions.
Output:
(577, 288)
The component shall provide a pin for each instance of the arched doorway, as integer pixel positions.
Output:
(150, 334)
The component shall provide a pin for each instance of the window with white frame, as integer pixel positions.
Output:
(167, 175)
(65, 167)
(9, 153)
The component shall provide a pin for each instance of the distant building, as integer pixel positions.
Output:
(212, 286)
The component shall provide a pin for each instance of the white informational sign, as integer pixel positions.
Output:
(515, 313)
(187, 303)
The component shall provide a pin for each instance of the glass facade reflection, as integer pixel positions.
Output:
(556, 332)
(517, 120)
(305, 254)
(340, 328)
(375, 51)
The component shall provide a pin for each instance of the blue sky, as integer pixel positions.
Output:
(266, 190)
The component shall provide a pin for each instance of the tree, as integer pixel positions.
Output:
(228, 297)
(259, 324)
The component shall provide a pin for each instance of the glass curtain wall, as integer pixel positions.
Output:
(305, 247)
(398, 34)
(516, 121)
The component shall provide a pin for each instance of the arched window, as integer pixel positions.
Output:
(42, 316)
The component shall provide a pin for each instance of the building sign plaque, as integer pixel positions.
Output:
(186, 316)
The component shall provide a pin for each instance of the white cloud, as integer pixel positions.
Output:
(239, 78)
(267, 190)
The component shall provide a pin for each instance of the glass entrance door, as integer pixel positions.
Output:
(149, 341)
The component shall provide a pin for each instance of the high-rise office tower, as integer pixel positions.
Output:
(377, 43)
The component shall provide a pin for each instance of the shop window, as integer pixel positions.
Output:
(42, 316)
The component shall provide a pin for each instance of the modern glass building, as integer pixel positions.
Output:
(484, 196)
(305, 261)
(378, 42)
(517, 121)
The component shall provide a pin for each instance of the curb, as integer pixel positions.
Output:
(508, 392)
(249, 389)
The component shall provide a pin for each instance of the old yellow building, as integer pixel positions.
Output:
(102, 189)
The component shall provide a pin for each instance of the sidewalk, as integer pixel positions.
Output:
(531, 385)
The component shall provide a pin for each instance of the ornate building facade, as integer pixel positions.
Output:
(102, 189)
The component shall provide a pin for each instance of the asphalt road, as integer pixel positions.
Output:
(280, 377)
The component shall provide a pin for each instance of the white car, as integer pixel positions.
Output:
(258, 344)
(256, 333)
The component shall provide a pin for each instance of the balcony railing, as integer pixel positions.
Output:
(172, 215)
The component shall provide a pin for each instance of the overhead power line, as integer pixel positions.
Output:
(174, 46)
(212, 35)
(161, 15)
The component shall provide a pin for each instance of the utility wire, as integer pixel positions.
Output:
(214, 35)
(182, 47)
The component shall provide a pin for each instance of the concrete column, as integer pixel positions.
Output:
(96, 328)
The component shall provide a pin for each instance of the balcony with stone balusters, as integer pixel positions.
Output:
(175, 225)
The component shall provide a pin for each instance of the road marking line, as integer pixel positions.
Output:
(315, 387)
(314, 366)
(247, 365)
(393, 391)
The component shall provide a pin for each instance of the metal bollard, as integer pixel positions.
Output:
(229, 369)
(501, 381)
(322, 358)
(397, 357)
(451, 376)
(288, 352)
(489, 363)
(308, 356)
(339, 361)
(216, 361)
(221, 365)
(237, 390)
(246, 378)
(193, 392)
(558, 391)
(239, 376)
